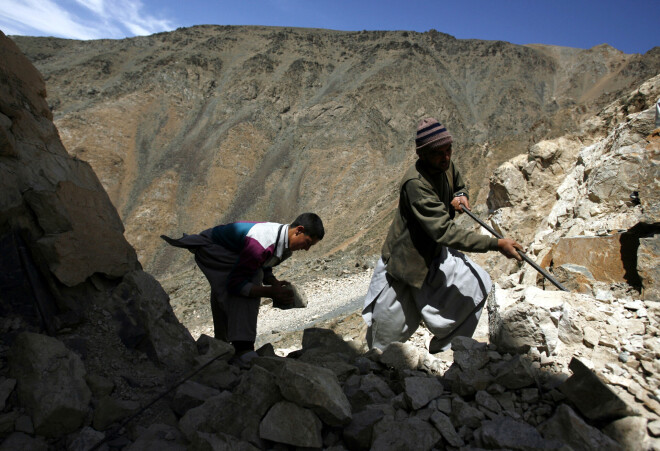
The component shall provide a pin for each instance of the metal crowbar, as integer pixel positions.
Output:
(524, 256)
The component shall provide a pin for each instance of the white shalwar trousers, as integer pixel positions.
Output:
(450, 302)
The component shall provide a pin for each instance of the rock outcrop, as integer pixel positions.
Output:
(76, 308)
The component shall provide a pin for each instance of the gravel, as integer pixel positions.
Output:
(327, 298)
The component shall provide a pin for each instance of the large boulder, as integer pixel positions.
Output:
(145, 320)
(507, 186)
(531, 321)
(50, 193)
(312, 387)
(291, 424)
(607, 258)
(50, 383)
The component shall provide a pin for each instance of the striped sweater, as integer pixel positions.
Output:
(255, 243)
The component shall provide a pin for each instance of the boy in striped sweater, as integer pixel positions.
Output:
(238, 260)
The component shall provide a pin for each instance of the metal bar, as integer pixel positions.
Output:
(524, 256)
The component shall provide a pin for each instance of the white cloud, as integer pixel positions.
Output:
(45, 16)
(96, 19)
(96, 6)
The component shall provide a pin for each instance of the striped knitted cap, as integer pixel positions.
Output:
(430, 131)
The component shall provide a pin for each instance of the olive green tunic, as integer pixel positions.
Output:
(423, 224)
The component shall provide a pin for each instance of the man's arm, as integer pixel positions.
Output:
(433, 217)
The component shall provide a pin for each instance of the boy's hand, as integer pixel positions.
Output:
(272, 281)
(282, 294)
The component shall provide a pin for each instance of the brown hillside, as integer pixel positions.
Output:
(212, 124)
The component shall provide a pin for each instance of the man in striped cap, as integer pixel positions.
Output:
(422, 273)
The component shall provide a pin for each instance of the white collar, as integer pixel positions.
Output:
(283, 243)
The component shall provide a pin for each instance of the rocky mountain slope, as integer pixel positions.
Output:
(92, 356)
(211, 124)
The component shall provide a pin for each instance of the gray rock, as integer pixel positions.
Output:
(575, 278)
(335, 362)
(400, 356)
(513, 374)
(443, 424)
(593, 398)
(70, 244)
(50, 383)
(219, 374)
(99, 385)
(226, 413)
(443, 405)
(468, 383)
(7, 422)
(159, 437)
(205, 441)
(568, 329)
(7, 140)
(408, 433)
(591, 336)
(567, 426)
(487, 401)
(19, 440)
(363, 391)
(211, 348)
(24, 424)
(471, 359)
(86, 439)
(259, 389)
(365, 365)
(6, 387)
(507, 187)
(312, 387)
(165, 339)
(463, 413)
(111, 410)
(629, 432)
(526, 323)
(419, 391)
(507, 433)
(293, 425)
(191, 394)
(357, 434)
(467, 344)
(529, 395)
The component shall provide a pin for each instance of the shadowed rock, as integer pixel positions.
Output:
(50, 383)
(288, 423)
(591, 396)
(567, 426)
(312, 387)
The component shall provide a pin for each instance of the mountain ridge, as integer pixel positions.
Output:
(212, 124)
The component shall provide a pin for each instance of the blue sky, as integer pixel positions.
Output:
(632, 26)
